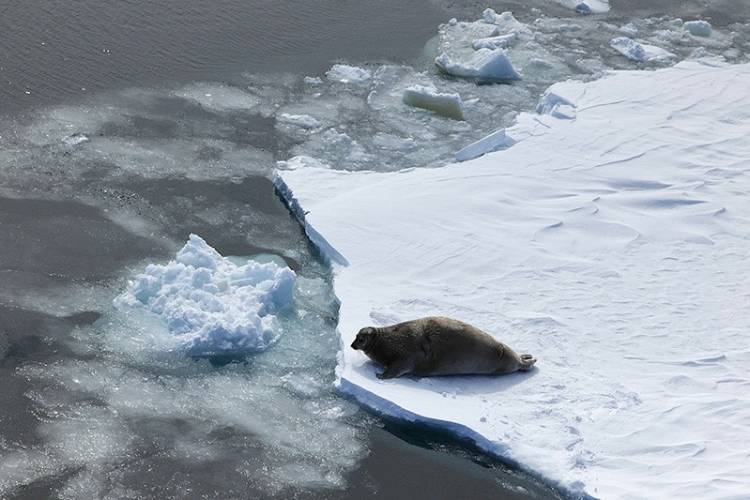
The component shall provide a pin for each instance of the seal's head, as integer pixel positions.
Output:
(364, 338)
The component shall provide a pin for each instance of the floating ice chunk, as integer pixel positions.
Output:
(640, 52)
(484, 66)
(446, 104)
(301, 161)
(312, 80)
(629, 48)
(211, 304)
(629, 29)
(75, 139)
(586, 7)
(698, 28)
(504, 21)
(302, 121)
(495, 42)
(348, 74)
(583, 8)
(488, 144)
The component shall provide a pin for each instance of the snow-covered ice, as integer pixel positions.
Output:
(211, 304)
(612, 246)
(443, 103)
(640, 52)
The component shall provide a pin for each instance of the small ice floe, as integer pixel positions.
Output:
(495, 42)
(75, 139)
(301, 161)
(640, 52)
(698, 28)
(209, 303)
(345, 73)
(445, 104)
(302, 121)
(484, 66)
(496, 140)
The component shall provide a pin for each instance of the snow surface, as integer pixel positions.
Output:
(443, 103)
(612, 246)
(209, 303)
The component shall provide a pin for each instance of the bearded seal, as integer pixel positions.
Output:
(438, 346)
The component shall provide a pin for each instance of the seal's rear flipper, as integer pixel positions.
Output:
(527, 362)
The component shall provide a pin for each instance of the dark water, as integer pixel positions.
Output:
(54, 49)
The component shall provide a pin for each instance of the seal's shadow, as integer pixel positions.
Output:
(458, 384)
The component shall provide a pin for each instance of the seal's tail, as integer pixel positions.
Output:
(527, 362)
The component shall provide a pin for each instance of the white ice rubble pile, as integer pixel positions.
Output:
(443, 103)
(611, 244)
(209, 303)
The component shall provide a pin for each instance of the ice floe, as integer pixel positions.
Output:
(641, 52)
(484, 66)
(612, 246)
(445, 104)
(210, 304)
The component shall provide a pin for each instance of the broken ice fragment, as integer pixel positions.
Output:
(446, 104)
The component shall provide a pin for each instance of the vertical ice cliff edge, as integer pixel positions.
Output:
(610, 240)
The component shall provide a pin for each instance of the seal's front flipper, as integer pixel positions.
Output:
(394, 370)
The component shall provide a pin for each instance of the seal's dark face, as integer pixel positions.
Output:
(364, 338)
